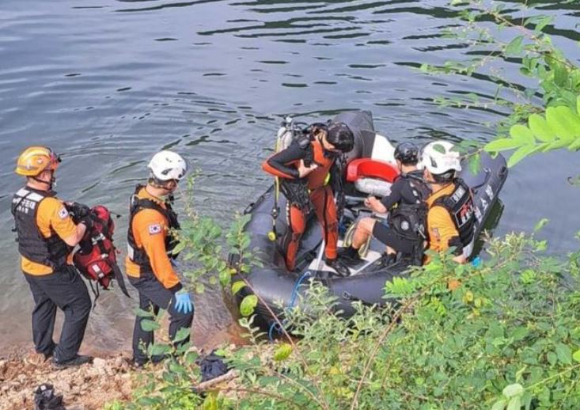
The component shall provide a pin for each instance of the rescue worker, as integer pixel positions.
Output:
(451, 215)
(46, 238)
(150, 261)
(405, 231)
(304, 168)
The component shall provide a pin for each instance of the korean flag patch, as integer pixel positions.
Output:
(154, 229)
(63, 213)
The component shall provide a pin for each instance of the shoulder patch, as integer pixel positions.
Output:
(63, 213)
(154, 229)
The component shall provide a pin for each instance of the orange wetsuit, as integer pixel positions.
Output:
(284, 164)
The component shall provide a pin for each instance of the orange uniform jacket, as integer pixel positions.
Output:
(150, 229)
(439, 223)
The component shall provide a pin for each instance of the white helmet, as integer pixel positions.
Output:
(167, 165)
(440, 157)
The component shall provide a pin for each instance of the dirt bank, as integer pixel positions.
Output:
(87, 387)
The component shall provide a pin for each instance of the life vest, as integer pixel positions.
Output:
(51, 251)
(410, 220)
(460, 206)
(138, 255)
(96, 258)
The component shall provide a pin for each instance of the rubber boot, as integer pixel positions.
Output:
(340, 268)
(350, 255)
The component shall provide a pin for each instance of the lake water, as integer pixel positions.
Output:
(107, 83)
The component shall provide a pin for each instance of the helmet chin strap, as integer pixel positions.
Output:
(51, 184)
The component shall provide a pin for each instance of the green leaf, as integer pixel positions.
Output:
(541, 223)
(178, 248)
(575, 146)
(520, 154)
(578, 105)
(513, 390)
(499, 405)
(439, 148)
(199, 288)
(474, 163)
(564, 353)
(560, 75)
(552, 358)
(225, 277)
(237, 286)
(523, 134)
(502, 144)
(182, 334)
(144, 313)
(544, 22)
(576, 356)
(515, 403)
(564, 122)
(515, 47)
(149, 325)
(210, 402)
(248, 305)
(158, 349)
(540, 128)
(556, 145)
(283, 351)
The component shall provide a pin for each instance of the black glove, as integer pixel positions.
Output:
(88, 221)
(77, 210)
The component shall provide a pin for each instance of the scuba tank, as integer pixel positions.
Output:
(284, 133)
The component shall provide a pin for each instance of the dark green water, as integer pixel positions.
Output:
(108, 83)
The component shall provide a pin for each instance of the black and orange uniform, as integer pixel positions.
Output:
(42, 221)
(149, 265)
(285, 164)
(451, 218)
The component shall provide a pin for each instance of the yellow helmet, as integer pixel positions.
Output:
(36, 159)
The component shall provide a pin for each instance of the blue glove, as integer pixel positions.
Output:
(476, 262)
(183, 303)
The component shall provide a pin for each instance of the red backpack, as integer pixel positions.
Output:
(96, 258)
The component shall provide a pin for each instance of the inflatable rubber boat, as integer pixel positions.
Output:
(370, 170)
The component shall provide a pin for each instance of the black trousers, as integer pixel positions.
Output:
(66, 290)
(152, 297)
(389, 237)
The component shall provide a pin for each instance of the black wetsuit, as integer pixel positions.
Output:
(408, 190)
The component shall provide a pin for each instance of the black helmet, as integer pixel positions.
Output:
(339, 135)
(407, 153)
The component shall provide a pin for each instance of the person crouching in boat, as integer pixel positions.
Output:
(451, 215)
(304, 169)
(149, 258)
(405, 228)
